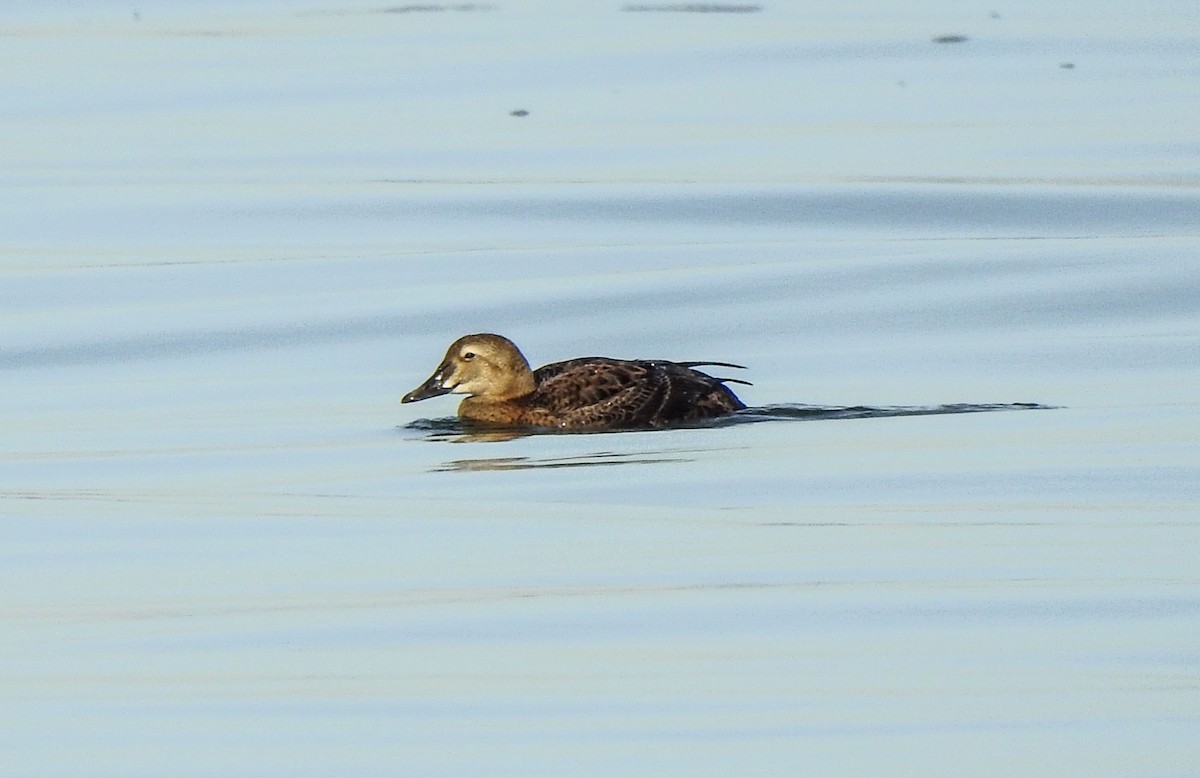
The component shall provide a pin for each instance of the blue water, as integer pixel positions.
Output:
(235, 234)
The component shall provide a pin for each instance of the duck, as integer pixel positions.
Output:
(586, 393)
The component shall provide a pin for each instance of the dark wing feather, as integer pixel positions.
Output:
(602, 392)
(587, 381)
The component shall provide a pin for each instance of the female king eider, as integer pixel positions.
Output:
(584, 393)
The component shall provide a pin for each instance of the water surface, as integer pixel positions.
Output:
(234, 235)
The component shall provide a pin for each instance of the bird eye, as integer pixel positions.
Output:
(468, 356)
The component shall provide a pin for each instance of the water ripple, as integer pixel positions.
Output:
(454, 430)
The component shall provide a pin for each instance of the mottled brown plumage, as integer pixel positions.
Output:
(584, 393)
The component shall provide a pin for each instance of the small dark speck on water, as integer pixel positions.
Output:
(1067, 65)
(951, 39)
(519, 112)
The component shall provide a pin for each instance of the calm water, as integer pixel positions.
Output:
(235, 234)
